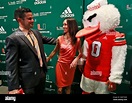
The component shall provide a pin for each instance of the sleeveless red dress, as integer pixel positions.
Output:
(67, 52)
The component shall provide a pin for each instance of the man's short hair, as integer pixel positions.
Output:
(20, 12)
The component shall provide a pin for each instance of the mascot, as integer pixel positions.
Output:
(104, 49)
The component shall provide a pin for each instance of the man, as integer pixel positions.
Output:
(25, 58)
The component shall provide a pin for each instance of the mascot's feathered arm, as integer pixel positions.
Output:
(119, 52)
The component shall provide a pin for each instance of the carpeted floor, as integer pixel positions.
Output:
(3, 90)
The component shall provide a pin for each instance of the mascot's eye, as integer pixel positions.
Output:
(91, 17)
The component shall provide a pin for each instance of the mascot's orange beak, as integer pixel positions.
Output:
(89, 32)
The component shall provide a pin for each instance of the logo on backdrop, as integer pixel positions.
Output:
(1, 7)
(38, 2)
(128, 7)
(67, 13)
(42, 27)
(16, 2)
(2, 30)
(14, 29)
(41, 14)
(3, 17)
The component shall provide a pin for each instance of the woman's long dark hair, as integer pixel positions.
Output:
(73, 29)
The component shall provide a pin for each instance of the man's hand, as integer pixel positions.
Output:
(16, 91)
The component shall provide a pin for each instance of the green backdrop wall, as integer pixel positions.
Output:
(48, 17)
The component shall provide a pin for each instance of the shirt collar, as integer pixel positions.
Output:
(24, 30)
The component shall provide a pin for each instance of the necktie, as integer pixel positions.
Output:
(35, 44)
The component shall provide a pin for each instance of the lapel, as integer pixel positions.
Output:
(24, 38)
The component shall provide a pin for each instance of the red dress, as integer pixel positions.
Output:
(67, 52)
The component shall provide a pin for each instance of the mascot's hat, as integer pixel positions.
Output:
(96, 4)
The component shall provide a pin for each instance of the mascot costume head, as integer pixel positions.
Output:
(99, 17)
(104, 48)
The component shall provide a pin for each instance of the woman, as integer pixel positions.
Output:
(67, 45)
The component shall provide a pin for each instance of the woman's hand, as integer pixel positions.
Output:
(74, 63)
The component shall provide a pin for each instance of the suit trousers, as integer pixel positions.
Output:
(40, 88)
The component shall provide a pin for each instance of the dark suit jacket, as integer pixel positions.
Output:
(22, 62)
